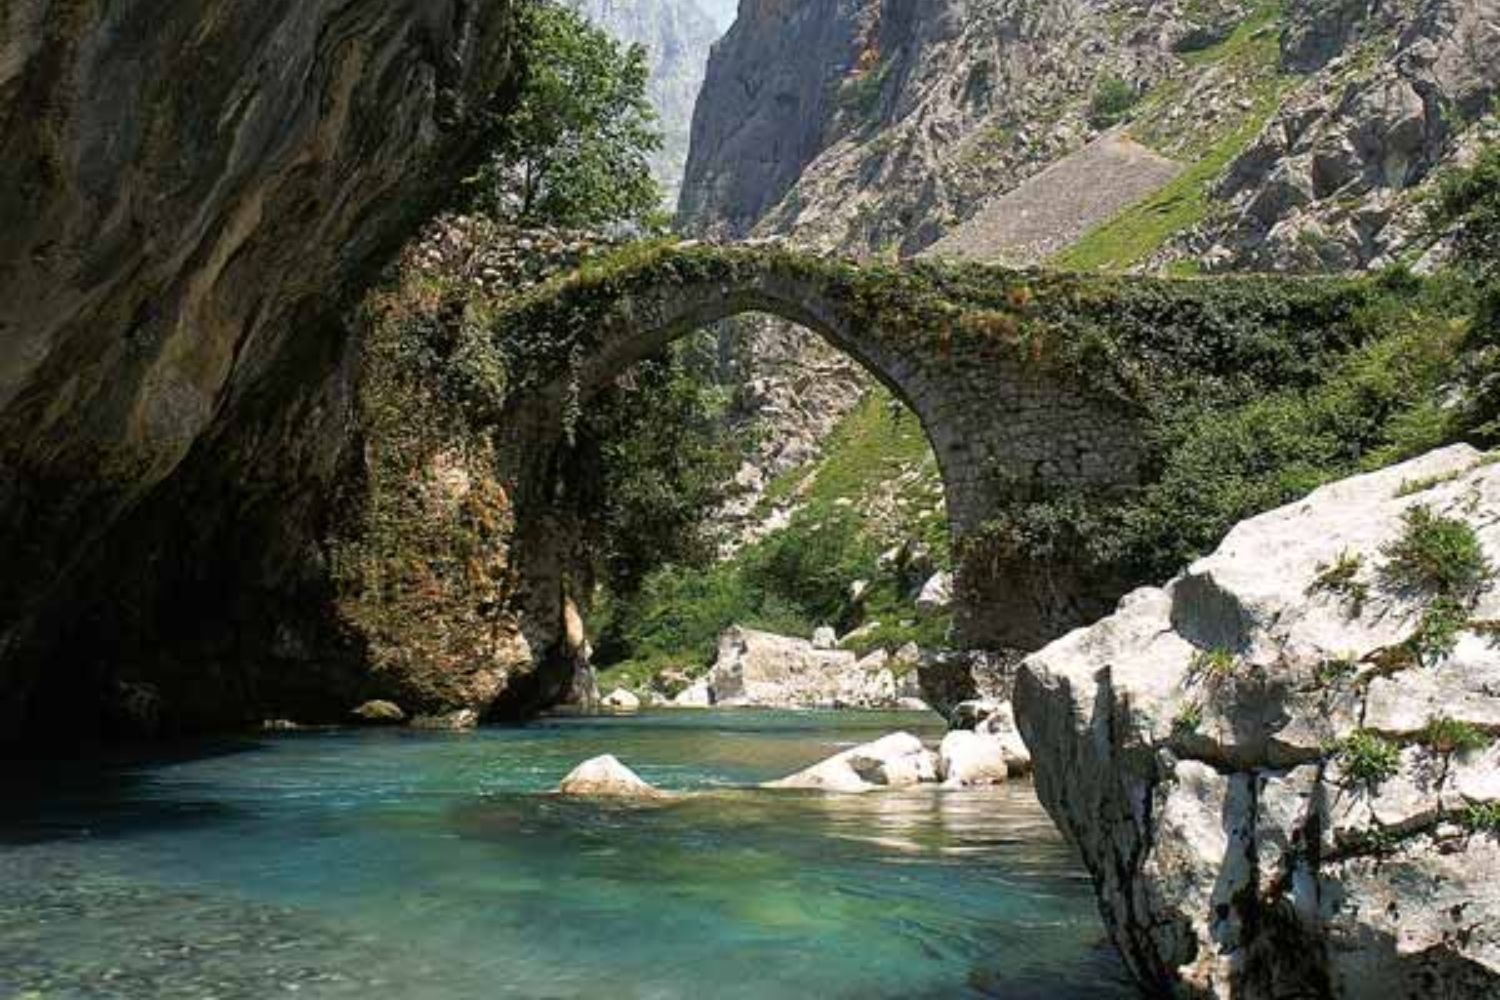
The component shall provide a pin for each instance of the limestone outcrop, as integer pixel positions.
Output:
(761, 669)
(1282, 767)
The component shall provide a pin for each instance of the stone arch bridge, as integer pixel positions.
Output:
(1028, 386)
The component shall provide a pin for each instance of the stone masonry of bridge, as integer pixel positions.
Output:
(444, 564)
(1015, 376)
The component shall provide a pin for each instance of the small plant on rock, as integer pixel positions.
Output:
(1188, 720)
(1436, 556)
(1437, 631)
(1377, 840)
(1368, 758)
(1444, 735)
(1482, 817)
(1331, 672)
(1216, 665)
(1340, 578)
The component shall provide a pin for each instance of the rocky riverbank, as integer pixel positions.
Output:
(1282, 767)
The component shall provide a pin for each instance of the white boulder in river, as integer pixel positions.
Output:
(967, 759)
(1282, 768)
(895, 761)
(606, 777)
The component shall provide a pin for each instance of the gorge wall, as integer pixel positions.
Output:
(1294, 136)
(190, 198)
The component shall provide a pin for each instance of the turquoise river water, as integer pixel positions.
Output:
(400, 864)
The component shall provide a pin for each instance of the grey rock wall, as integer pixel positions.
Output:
(191, 195)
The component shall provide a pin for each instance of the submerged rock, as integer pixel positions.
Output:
(457, 721)
(895, 761)
(1283, 782)
(606, 777)
(379, 713)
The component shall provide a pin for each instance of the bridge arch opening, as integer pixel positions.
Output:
(996, 419)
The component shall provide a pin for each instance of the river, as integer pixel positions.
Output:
(433, 865)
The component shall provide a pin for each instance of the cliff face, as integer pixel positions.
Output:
(677, 36)
(765, 107)
(1392, 93)
(883, 126)
(190, 195)
(876, 125)
(1222, 135)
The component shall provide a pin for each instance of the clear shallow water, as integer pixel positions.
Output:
(430, 865)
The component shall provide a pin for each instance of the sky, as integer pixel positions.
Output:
(722, 11)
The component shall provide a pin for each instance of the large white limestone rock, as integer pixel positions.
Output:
(1189, 745)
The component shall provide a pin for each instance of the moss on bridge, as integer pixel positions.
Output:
(1134, 338)
(1247, 392)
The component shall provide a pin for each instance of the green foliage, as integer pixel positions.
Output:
(1250, 53)
(1468, 205)
(1189, 719)
(1368, 758)
(1444, 735)
(799, 578)
(1436, 556)
(1437, 630)
(651, 459)
(1340, 579)
(574, 150)
(677, 615)
(1214, 665)
(812, 562)
(1334, 671)
(1483, 817)
(860, 94)
(1223, 447)
(1112, 100)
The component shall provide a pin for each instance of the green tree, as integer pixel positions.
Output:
(654, 454)
(1467, 206)
(574, 150)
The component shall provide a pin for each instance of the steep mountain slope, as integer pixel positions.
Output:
(1270, 135)
(888, 124)
(677, 35)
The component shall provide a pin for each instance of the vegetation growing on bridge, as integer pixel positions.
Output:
(1254, 390)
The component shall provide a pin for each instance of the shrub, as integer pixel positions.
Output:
(1444, 735)
(1437, 556)
(1369, 759)
(1340, 579)
(1483, 817)
(1437, 631)
(1113, 98)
